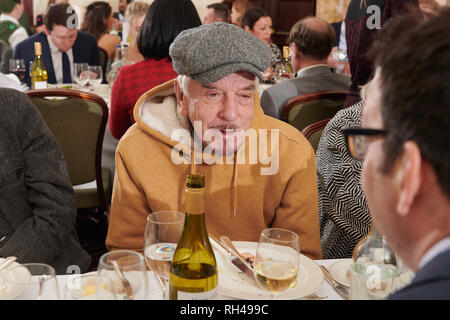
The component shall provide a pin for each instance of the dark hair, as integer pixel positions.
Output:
(94, 18)
(416, 95)
(251, 16)
(165, 19)
(59, 14)
(313, 43)
(221, 10)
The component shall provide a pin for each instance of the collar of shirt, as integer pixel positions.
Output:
(4, 17)
(57, 60)
(438, 248)
(311, 67)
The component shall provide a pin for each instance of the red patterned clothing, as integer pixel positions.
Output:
(131, 82)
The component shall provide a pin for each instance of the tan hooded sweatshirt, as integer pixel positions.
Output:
(240, 202)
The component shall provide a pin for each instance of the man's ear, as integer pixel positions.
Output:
(408, 177)
(180, 99)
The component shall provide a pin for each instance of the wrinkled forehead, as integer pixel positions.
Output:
(62, 31)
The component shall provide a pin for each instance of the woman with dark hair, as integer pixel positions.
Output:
(98, 21)
(164, 21)
(259, 23)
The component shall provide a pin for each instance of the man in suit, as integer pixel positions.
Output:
(406, 169)
(62, 45)
(311, 41)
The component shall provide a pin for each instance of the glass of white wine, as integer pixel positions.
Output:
(277, 260)
(80, 73)
(162, 233)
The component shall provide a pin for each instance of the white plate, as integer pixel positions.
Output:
(234, 283)
(21, 275)
(340, 271)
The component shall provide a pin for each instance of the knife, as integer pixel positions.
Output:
(125, 283)
(235, 258)
(336, 286)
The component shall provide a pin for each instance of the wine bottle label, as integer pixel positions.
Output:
(40, 85)
(208, 295)
(194, 200)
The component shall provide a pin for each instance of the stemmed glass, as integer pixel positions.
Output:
(162, 232)
(17, 66)
(42, 285)
(132, 267)
(80, 73)
(95, 76)
(277, 260)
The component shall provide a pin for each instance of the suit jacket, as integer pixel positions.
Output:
(432, 282)
(337, 30)
(84, 49)
(315, 79)
(37, 202)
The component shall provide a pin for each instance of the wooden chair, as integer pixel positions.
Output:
(306, 109)
(78, 121)
(314, 131)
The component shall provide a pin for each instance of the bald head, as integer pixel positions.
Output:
(314, 37)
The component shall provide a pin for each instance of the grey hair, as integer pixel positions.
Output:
(183, 82)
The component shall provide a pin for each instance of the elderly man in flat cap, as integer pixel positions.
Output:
(259, 171)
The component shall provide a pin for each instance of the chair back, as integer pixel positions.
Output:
(78, 121)
(5, 55)
(303, 110)
(103, 60)
(313, 132)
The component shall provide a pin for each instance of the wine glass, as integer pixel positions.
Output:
(80, 73)
(42, 285)
(95, 76)
(162, 232)
(89, 287)
(277, 260)
(17, 66)
(132, 267)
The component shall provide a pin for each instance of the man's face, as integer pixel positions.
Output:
(63, 37)
(224, 108)
(122, 6)
(378, 186)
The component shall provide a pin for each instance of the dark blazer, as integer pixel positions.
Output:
(319, 78)
(84, 49)
(37, 202)
(432, 282)
(337, 30)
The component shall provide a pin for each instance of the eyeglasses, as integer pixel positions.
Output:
(357, 140)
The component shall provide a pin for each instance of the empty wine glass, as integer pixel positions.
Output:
(17, 66)
(89, 287)
(95, 76)
(131, 267)
(42, 285)
(277, 260)
(162, 232)
(80, 73)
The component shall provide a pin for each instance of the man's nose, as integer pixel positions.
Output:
(229, 110)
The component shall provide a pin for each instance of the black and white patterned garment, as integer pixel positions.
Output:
(344, 215)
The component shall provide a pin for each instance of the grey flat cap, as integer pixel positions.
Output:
(212, 51)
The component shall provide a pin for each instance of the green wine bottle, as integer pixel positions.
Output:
(38, 72)
(193, 271)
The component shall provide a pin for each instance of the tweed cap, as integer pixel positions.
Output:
(212, 51)
(7, 5)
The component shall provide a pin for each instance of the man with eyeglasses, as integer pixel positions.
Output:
(404, 143)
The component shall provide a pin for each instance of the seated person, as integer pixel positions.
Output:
(10, 29)
(216, 95)
(134, 16)
(406, 163)
(164, 21)
(62, 46)
(311, 40)
(37, 202)
(98, 21)
(40, 26)
(217, 12)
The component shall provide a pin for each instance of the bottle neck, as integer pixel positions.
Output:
(195, 224)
